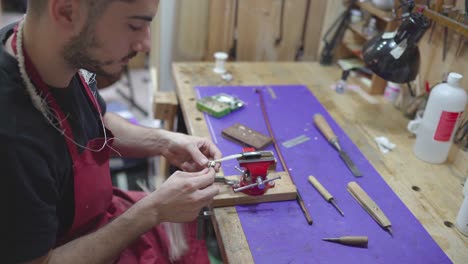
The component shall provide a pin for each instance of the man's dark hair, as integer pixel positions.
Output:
(15, 6)
(96, 7)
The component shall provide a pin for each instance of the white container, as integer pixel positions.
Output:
(384, 4)
(220, 58)
(462, 218)
(356, 16)
(465, 188)
(443, 112)
(392, 90)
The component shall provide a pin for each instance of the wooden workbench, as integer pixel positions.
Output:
(433, 193)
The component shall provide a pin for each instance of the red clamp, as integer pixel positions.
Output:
(254, 166)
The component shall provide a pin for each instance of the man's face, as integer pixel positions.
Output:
(109, 40)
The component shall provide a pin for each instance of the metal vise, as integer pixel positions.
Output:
(254, 166)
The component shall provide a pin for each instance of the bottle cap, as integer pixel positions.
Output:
(356, 12)
(454, 78)
(220, 55)
(394, 85)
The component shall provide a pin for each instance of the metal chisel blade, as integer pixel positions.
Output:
(350, 164)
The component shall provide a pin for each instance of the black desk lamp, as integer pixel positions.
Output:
(394, 56)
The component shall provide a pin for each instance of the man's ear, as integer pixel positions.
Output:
(67, 14)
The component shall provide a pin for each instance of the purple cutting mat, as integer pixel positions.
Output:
(277, 232)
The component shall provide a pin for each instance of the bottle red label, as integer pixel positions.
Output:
(447, 123)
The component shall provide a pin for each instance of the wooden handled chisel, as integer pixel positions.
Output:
(324, 192)
(370, 206)
(326, 130)
(354, 241)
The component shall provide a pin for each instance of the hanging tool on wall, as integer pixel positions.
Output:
(326, 130)
(338, 29)
(462, 18)
(433, 23)
(446, 11)
(461, 135)
(279, 38)
(436, 7)
(370, 206)
(325, 194)
(406, 7)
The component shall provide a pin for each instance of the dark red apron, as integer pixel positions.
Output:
(97, 202)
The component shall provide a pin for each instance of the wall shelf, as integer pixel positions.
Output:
(446, 21)
(369, 7)
(357, 28)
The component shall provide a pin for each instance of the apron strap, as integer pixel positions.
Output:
(50, 100)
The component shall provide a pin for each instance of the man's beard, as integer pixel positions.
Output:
(77, 54)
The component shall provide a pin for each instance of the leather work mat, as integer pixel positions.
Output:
(277, 232)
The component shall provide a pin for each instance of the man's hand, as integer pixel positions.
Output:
(186, 152)
(181, 196)
(190, 153)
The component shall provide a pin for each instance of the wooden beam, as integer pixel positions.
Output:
(313, 29)
(221, 27)
(445, 21)
(165, 109)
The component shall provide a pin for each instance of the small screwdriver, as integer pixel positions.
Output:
(328, 197)
(355, 241)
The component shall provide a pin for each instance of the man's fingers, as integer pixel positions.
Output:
(214, 152)
(202, 153)
(191, 167)
(205, 180)
(197, 155)
(200, 180)
(198, 173)
(207, 194)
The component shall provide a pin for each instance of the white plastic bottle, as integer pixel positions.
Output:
(443, 112)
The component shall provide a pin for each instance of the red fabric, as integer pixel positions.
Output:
(97, 202)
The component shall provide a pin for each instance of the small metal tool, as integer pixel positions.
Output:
(246, 155)
(370, 206)
(202, 222)
(260, 184)
(224, 180)
(354, 241)
(328, 197)
(326, 130)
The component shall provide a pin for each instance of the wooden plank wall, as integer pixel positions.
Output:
(322, 14)
(270, 30)
(221, 27)
(315, 20)
(433, 67)
(260, 30)
(191, 30)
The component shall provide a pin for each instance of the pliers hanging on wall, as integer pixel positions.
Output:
(461, 134)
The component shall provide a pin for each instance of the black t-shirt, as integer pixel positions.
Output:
(35, 165)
